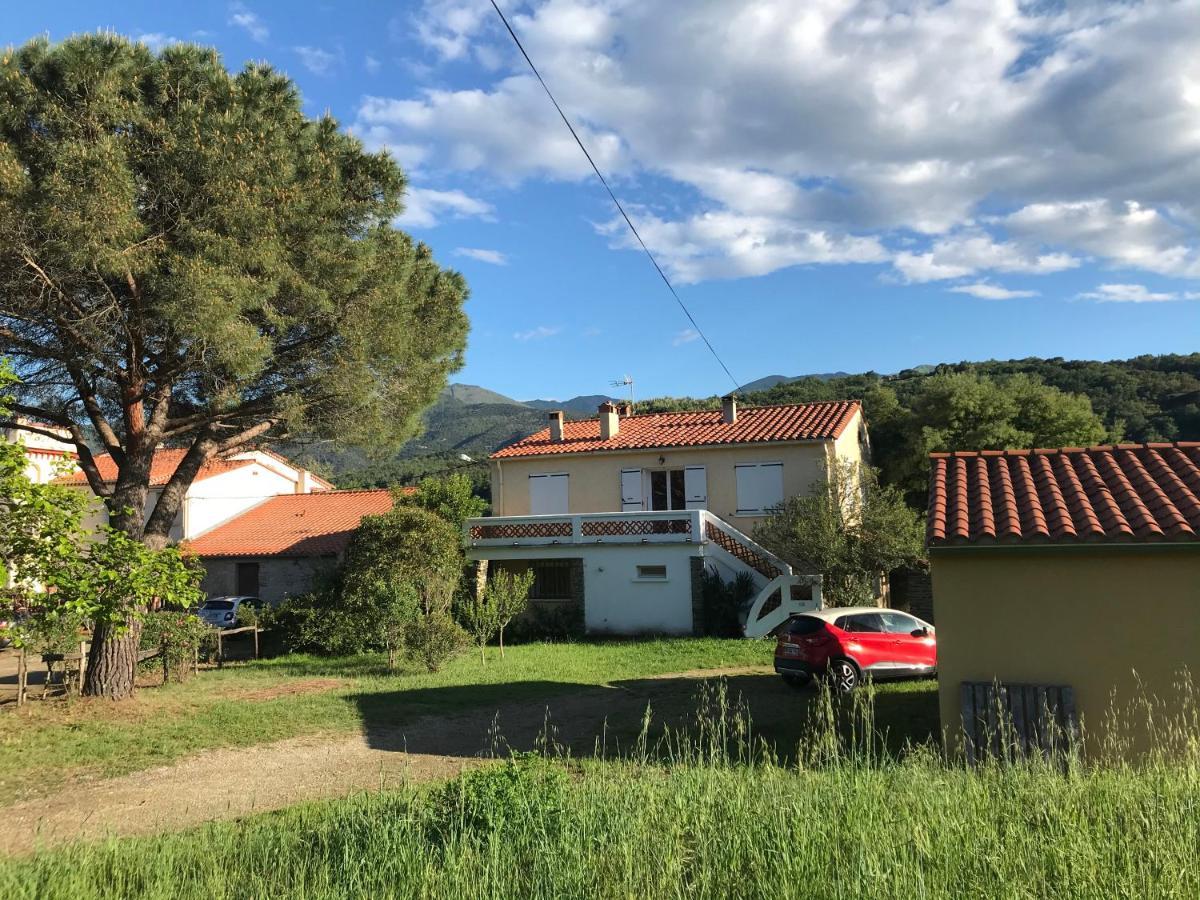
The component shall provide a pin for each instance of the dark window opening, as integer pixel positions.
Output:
(551, 580)
(657, 573)
(247, 579)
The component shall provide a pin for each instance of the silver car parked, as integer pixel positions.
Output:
(221, 612)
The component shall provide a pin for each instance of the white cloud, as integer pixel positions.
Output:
(493, 257)
(685, 337)
(538, 333)
(156, 40)
(425, 207)
(316, 60)
(243, 18)
(1002, 136)
(985, 291)
(968, 252)
(729, 245)
(513, 132)
(371, 64)
(1135, 293)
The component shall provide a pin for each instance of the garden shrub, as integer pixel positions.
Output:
(433, 638)
(548, 622)
(178, 637)
(724, 602)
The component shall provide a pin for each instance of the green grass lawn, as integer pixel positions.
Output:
(43, 745)
(701, 828)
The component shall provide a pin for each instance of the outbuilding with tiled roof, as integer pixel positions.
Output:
(276, 549)
(1076, 566)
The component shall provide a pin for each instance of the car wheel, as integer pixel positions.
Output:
(797, 680)
(843, 675)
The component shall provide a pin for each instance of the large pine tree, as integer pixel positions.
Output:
(186, 258)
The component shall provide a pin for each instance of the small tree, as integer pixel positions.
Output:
(509, 595)
(452, 498)
(481, 618)
(401, 572)
(850, 529)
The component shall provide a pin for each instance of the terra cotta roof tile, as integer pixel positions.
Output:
(165, 462)
(1122, 493)
(755, 424)
(319, 524)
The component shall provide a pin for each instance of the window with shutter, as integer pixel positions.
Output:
(759, 487)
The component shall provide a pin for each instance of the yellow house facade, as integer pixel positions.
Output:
(1074, 567)
(730, 474)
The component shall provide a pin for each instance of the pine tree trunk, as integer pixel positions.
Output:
(112, 661)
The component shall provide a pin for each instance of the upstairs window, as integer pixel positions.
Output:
(759, 487)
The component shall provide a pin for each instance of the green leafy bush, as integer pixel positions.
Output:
(548, 622)
(178, 637)
(432, 639)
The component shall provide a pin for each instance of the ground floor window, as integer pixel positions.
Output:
(551, 579)
(247, 579)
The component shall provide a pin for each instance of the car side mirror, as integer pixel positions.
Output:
(920, 632)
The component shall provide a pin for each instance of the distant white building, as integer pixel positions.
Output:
(47, 458)
(223, 488)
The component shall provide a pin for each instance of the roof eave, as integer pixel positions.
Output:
(676, 447)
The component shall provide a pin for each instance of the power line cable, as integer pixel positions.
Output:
(616, 202)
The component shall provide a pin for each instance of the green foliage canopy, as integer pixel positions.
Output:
(851, 530)
(186, 257)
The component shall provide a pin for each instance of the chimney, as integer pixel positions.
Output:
(626, 409)
(556, 425)
(729, 409)
(609, 423)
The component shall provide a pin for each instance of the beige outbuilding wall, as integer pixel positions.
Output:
(1087, 617)
(595, 477)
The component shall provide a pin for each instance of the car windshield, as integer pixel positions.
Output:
(217, 604)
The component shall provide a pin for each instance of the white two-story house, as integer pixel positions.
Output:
(621, 513)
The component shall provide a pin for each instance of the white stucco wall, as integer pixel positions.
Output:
(616, 601)
(217, 499)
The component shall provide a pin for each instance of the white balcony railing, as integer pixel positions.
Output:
(677, 527)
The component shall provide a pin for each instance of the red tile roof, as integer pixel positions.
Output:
(165, 462)
(1123, 493)
(319, 524)
(755, 424)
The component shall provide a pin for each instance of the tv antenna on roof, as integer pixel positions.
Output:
(625, 381)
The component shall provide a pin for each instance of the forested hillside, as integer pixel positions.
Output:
(984, 405)
(1002, 404)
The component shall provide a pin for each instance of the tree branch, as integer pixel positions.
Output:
(83, 453)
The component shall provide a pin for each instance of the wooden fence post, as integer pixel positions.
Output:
(22, 674)
(256, 630)
(196, 659)
(220, 651)
(83, 648)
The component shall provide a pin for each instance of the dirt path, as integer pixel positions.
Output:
(225, 784)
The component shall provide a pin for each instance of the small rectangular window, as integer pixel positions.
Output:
(652, 573)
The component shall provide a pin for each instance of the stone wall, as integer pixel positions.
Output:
(278, 578)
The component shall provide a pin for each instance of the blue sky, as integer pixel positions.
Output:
(832, 186)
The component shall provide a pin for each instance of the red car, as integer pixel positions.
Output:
(852, 642)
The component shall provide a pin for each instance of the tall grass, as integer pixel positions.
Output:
(703, 811)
